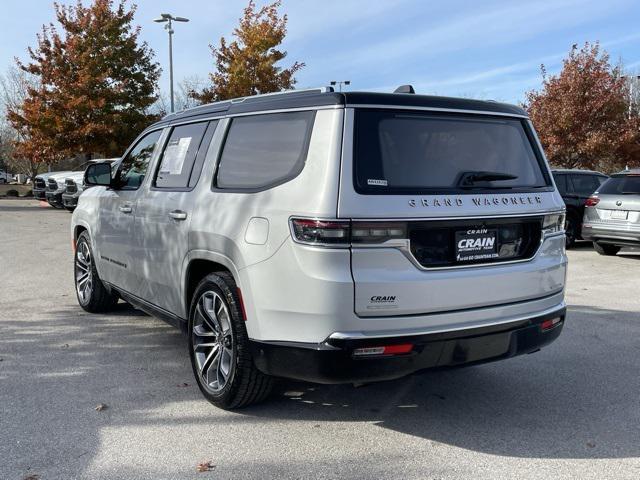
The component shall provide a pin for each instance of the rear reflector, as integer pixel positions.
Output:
(242, 309)
(385, 350)
(549, 324)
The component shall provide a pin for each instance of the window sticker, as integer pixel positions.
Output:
(174, 156)
(375, 181)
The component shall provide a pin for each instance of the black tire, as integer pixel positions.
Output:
(604, 249)
(69, 209)
(92, 294)
(244, 384)
(572, 229)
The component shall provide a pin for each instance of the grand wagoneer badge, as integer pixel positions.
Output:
(476, 201)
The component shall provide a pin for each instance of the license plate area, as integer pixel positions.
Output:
(475, 244)
(445, 243)
(619, 214)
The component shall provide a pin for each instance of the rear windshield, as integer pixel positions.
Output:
(409, 153)
(621, 185)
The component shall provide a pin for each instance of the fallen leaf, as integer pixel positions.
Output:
(182, 385)
(591, 444)
(293, 394)
(66, 345)
(100, 407)
(33, 476)
(205, 467)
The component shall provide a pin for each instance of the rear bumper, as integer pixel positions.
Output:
(333, 362)
(616, 234)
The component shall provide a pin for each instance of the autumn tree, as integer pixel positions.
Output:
(25, 147)
(581, 114)
(95, 82)
(248, 65)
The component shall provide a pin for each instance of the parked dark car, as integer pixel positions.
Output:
(576, 186)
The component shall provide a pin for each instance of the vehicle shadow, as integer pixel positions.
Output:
(577, 398)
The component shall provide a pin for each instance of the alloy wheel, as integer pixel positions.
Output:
(84, 272)
(212, 341)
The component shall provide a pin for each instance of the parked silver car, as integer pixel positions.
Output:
(40, 184)
(612, 214)
(330, 237)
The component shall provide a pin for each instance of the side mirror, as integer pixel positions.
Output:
(98, 174)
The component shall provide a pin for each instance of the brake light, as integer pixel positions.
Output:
(321, 232)
(553, 223)
(592, 201)
(384, 350)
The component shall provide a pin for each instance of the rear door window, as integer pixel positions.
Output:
(407, 152)
(263, 151)
(179, 155)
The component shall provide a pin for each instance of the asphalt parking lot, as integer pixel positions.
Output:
(569, 411)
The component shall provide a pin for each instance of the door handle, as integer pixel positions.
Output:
(126, 209)
(178, 215)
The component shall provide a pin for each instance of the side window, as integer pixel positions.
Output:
(262, 151)
(600, 180)
(561, 182)
(585, 184)
(134, 166)
(179, 155)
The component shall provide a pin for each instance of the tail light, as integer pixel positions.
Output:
(321, 232)
(592, 201)
(338, 233)
(376, 232)
(553, 223)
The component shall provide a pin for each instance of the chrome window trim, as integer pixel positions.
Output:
(257, 112)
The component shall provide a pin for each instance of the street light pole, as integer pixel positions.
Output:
(631, 79)
(168, 19)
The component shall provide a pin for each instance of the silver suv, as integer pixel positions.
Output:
(330, 237)
(612, 214)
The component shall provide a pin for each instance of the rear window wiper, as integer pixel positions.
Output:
(468, 179)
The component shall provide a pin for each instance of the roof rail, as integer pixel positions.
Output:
(284, 92)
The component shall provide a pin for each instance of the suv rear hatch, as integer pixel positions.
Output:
(447, 211)
(617, 202)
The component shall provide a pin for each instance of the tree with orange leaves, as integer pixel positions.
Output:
(94, 84)
(248, 65)
(581, 114)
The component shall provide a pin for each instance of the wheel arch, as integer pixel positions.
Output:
(199, 264)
